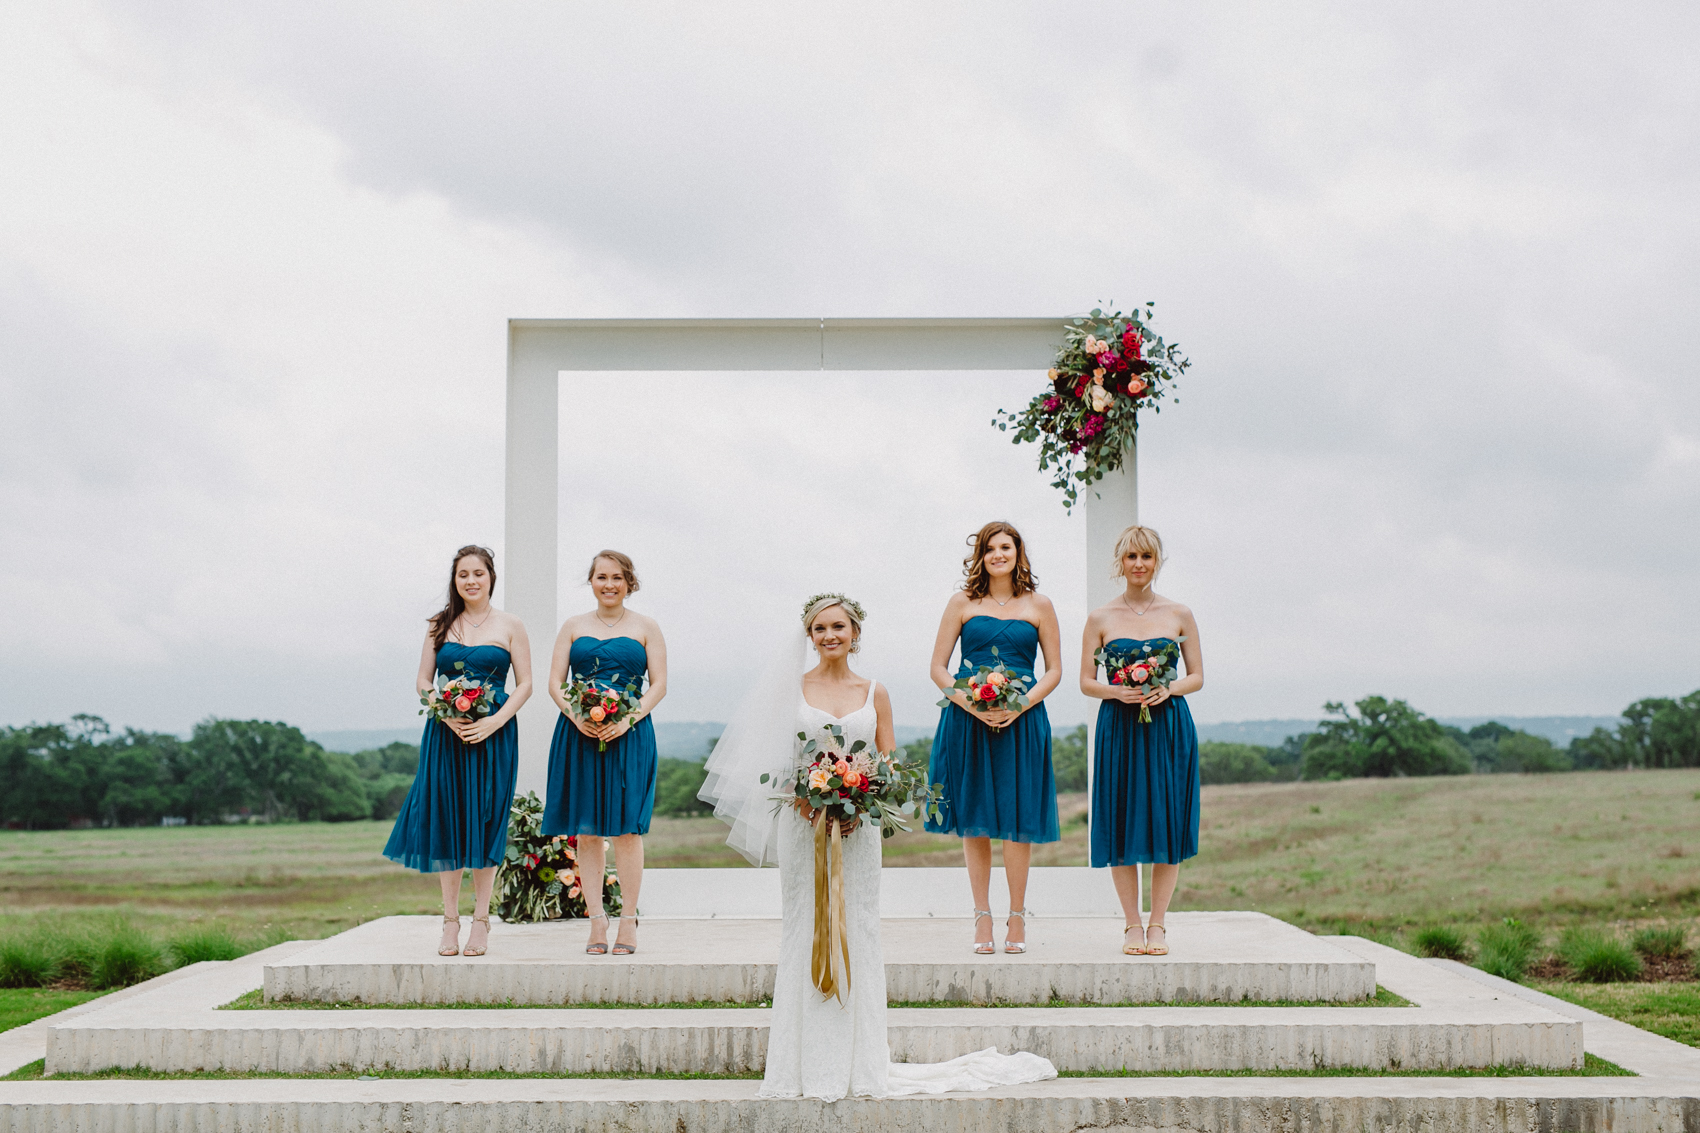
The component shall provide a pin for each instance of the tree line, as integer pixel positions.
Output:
(84, 774)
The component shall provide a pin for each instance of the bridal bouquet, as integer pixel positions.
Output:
(1155, 668)
(847, 783)
(993, 687)
(601, 703)
(458, 698)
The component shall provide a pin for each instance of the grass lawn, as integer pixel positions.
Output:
(1668, 1009)
(25, 1005)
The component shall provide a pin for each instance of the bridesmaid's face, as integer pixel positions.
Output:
(472, 579)
(1000, 554)
(1139, 567)
(832, 633)
(608, 582)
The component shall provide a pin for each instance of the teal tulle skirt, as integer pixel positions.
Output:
(1145, 789)
(456, 813)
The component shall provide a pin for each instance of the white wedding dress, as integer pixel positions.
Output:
(824, 1048)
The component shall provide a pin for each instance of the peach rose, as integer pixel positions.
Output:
(1101, 399)
(597, 715)
(818, 778)
(1136, 386)
(996, 678)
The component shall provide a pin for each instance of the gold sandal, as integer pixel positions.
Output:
(450, 945)
(1156, 949)
(984, 947)
(1133, 949)
(469, 950)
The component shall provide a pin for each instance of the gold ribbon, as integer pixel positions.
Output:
(831, 976)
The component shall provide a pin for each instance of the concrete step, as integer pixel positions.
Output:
(179, 1028)
(1227, 957)
(1148, 1105)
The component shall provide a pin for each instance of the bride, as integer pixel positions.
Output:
(819, 1045)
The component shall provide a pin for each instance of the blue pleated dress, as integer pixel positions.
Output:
(1145, 788)
(997, 784)
(610, 792)
(455, 815)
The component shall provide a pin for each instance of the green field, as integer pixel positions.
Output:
(1376, 857)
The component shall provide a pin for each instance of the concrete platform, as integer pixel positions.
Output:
(1068, 1105)
(1459, 1023)
(745, 894)
(1227, 957)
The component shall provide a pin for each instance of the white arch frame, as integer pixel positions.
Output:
(540, 350)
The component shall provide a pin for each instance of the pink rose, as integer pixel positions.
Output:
(1136, 386)
(463, 703)
(1140, 674)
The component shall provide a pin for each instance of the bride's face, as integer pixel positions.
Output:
(832, 633)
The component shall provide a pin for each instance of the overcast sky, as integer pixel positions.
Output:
(1436, 266)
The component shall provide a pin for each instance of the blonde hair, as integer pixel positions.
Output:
(822, 602)
(619, 559)
(1137, 538)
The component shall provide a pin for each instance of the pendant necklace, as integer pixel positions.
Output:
(1148, 605)
(467, 620)
(615, 622)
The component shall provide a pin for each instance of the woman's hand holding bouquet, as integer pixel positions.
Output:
(462, 703)
(993, 691)
(600, 710)
(844, 785)
(1142, 678)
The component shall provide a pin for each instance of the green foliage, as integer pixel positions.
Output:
(539, 878)
(80, 774)
(677, 782)
(1234, 763)
(1383, 738)
(1442, 940)
(1069, 754)
(1494, 748)
(1661, 942)
(1595, 957)
(125, 956)
(1506, 949)
(1656, 732)
(26, 961)
(212, 942)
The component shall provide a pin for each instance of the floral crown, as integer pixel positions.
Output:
(847, 602)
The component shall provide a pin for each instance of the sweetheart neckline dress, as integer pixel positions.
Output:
(1145, 786)
(606, 793)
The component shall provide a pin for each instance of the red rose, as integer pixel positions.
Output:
(1116, 678)
(988, 692)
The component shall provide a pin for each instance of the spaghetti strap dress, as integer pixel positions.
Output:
(608, 792)
(1145, 789)
(998, 783)
(455, 815)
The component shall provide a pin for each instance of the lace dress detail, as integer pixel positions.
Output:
(819, 1047)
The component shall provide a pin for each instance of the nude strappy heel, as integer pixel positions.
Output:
(451, 944)
(1133, 949)
(1015, 947)
(984, 947)
(596, 949)
(1156, 949)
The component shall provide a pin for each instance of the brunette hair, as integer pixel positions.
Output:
(619, 559)
(456, 605)
(1137, 538)
(978, 582)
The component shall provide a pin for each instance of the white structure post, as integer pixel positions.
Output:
(1112, 505)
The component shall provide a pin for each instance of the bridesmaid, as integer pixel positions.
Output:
(455, 816)
(995, 767)
(606, 794)
(1145, 787)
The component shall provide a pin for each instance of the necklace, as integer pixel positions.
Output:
(474, 624)
(616, 621)
(1148, 605)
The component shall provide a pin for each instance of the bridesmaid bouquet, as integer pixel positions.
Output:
(601, 703)
(859, 781)
(993, 687)
(1155, 668)
(458, 697)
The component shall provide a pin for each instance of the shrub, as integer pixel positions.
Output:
(1443, 941)
(677, 782)
(1597, 958)
(210, 943)
(1506, 949)
(1233, 763)
(1661, 943)
(126, 956)
(26, 962)
(1068, 758)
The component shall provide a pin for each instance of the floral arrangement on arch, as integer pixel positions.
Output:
(1110, 366)
(539, 880)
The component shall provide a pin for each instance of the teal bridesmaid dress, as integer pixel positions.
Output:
(609, 792)
(997, 783)
(455, 815)
(1145, 789)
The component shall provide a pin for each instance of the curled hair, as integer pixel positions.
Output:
(852, 610)
(619, 559)
(456, 605)
(978, 581)
(1137, 538)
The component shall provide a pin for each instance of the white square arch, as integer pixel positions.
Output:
(539, 350)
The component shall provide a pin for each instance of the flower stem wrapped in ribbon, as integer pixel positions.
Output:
(1150, 668)
(844, 784)
(1110, 366)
